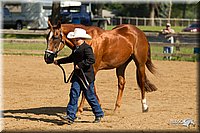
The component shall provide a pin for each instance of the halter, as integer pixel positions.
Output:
(58, 49)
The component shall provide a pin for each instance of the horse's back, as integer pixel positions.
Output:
(128, 28)
(139, 41)
(133, 34)
(126, 40)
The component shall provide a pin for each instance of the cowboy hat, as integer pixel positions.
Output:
(78, 33)
(168, 24)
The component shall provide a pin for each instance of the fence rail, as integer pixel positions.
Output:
(161, 44)
(148, 21)
(157, 36)
(45, 32)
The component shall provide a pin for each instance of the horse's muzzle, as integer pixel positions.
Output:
(49, 56)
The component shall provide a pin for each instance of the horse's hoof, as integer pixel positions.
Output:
(145, 110)
(78, 115)
(116, 111)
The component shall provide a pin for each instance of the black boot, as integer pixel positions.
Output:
(97, 119)
(67, 119)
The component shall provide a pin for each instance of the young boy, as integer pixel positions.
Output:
(83, 78)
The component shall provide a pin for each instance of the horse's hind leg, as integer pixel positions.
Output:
(141, 82)
(120, 72)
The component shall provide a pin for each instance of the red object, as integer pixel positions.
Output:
(195, 27)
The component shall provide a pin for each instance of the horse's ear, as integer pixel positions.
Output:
(50, 25)
(59, 24)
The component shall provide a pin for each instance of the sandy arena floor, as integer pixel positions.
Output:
(35, 95)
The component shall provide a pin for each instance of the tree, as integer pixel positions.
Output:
(184, 10)
(55, 12)
(166, 9)
(97, 9)
(129, 10)
(152, 7)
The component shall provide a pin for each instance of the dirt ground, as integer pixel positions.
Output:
(34, 96)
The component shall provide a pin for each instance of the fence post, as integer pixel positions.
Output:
(129, 20)
(160, 22)
(120, 20)
(136, 19)
(145, 22)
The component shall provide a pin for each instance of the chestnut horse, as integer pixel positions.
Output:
(114, 48)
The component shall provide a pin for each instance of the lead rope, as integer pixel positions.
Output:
(64, 75)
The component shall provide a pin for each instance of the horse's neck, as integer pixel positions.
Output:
(70, 27)
(91, 30)
(66, 28)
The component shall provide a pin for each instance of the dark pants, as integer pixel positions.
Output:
(75, 91)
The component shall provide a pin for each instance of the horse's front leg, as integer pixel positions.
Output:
(95, 92)
(121, 83)
(120, 72)
(80, 107)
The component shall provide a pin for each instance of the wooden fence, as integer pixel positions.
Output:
(177, 45)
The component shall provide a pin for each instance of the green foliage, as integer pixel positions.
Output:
(179, 8)
(136, 9)
(129, 10)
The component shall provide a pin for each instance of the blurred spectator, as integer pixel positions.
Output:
(167, 31)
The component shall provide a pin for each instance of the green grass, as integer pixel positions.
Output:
(23, 36)
(22, 46)
(29, 49)
(153, 28)
(158, 28)
(159, 49)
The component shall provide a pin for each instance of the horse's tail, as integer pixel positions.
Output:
(149, 87)
(149, 63)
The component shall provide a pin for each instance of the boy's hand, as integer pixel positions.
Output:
(76, 67)
(55, 62)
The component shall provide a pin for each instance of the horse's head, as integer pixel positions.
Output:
(55, 42)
